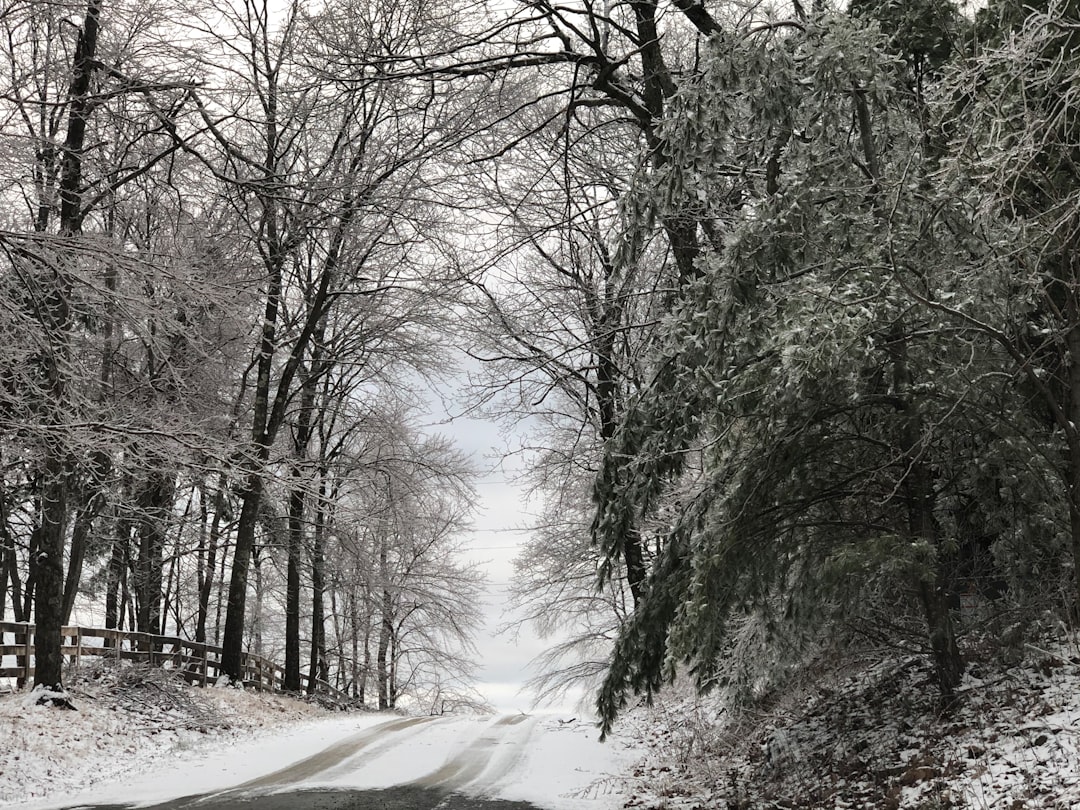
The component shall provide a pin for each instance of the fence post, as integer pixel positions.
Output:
(29, 641)
(21, 661)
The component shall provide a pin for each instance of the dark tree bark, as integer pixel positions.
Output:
(116, 575)
(292, 590)
(92, 494)
(155, 504)
(608, 320)
(317, 663)
(366, 672)
(9, 567)
(382, 657)
(93, 503)
(392, 681)
(643, 93)
(206, 583)
(918, 489)
(302, 434)
(256, 620)
(232, 645)
(49, 597)
(4, 574)
(17, 605)
(1072, 436)
(49, 579)
(173, 597)
(357, 687)
(219, 602)
(918, 481)
(31, 572)
(269, 414)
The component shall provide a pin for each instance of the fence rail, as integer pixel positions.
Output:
(196, 662)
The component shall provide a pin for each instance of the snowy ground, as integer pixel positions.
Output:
(140, 736)
(873, 735)
(864, 734)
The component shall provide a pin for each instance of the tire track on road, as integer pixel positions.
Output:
(481, 765)
(330, 757)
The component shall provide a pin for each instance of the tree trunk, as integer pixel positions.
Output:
(115, 575)
(31, 571)
(219, 601)
(318, 613)
(392, 679)
(207, 583)
(127, 604)
(84, 524)
(49, 598)
(297, 507)
(171, 599)
(9, 564)
(382, 663)
(1072, 434)
(262, 437)
(3, 582)
(263, 428)
(918, 488)
(607, 397)
(339, 639)
(76, 555)
(17, 604)
(354, 637)
(658, 87)
(292, 586)
(155, 504)
(367, 662)
(232, 645)
(256, 619)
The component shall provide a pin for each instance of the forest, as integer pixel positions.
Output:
(784, 297)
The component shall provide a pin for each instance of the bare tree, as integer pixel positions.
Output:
(326, 171)
(57, 258)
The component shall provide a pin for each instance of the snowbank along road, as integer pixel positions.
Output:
(404, 763)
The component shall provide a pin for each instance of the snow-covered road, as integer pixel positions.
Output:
(539, 759)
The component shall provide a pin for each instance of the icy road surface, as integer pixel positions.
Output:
(542, 760)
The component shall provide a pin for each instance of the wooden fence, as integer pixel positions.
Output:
(197, 663)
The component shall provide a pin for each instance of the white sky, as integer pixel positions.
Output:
(493, 543)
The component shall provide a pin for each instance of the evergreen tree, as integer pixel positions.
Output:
(801, 418)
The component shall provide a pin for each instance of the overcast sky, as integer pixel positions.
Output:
(502, 511)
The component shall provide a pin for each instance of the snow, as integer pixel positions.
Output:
(567, 760)
(189, 768)
(549, 761)
(139, 736)
(858, 734)
(128, 721)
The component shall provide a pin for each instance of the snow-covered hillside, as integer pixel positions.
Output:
(127, 721)
(874, 735)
